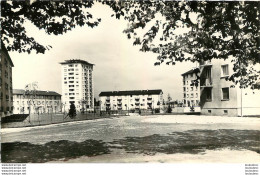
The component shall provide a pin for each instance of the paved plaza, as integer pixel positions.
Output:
(158, 138)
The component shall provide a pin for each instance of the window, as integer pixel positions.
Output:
(191, 88)
(209, 111)
(196, 95)
(208, 94)
(191, 95)
(6, 63)
(224, 70)
(225, 93)
(225, 111)
(6, 74)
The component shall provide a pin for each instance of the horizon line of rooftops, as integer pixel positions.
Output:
(76, 61)
(131, 92)
(37, 92)
(104, 93)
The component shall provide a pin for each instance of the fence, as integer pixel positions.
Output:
(54, 118)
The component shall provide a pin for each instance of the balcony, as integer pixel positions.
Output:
(206, 82)
(137, 98)
(205, 63)
(119, 103)
(137, 103)
(149, 98)
(119, 99)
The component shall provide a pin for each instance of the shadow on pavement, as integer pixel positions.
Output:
(192, 142)
(24, 152)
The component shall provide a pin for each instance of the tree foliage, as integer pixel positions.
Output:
(211, 29)
(54, 17)
(214, 30)
(72, 111)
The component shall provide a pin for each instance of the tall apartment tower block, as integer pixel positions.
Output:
(77, 85)
(6, 83)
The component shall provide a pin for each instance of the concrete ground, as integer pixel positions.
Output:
(168, 138)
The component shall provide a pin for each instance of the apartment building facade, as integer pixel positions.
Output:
(77, 84)
(36, 102)
(131, 100)
(219, 96)
(6, 83)
(191, 90)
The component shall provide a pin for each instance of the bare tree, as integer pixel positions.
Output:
(31, 92)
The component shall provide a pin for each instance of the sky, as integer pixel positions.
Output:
(118, 64)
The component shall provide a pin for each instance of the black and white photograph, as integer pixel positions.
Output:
(164, 82)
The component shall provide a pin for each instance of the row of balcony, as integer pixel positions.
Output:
(137, 103)
(136, 99)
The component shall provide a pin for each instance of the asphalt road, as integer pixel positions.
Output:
(137, 139)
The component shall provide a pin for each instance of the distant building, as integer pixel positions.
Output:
(191, 91)
(77, 84)
(38, 102)
(6, 83)
(221, 97)
(131, 100)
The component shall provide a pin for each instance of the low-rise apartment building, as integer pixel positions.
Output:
(131, 100)
(6, 83)
(36, 102)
